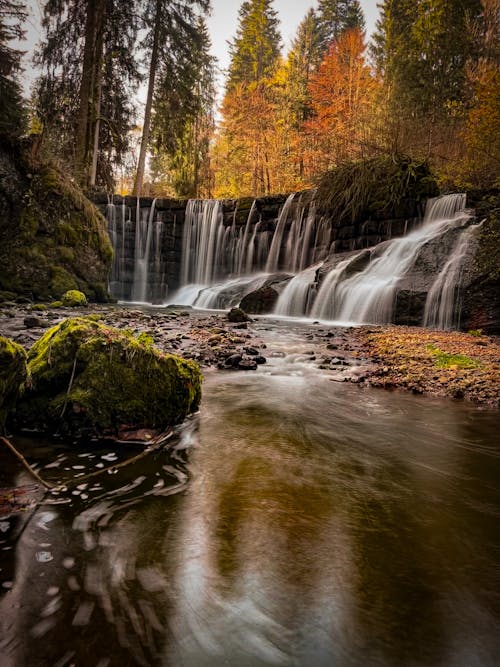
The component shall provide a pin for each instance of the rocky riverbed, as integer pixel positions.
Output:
(458, 365)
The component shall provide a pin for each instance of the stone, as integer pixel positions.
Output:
(74, 299)
(238, 315)
(260, 301)
(33, 322)
(247, 365)
(86, 377)
(12, 375)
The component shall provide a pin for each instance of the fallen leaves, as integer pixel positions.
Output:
(448, 363)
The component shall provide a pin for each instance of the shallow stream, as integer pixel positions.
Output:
(298, 521)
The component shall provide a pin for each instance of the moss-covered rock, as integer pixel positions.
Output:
(12, 375)
(73, 298)
(88, 377)
(52, 239)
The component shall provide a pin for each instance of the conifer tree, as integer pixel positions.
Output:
(335, 17)
(173, 42)
(12, 15)
(256, 47)
(83, 97)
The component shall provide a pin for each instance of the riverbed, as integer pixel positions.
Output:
(296, 521)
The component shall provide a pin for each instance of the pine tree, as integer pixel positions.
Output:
(173, 43)
(83, 97)
(12, 15)
(335, 17)
(256, 47)
(183, 120)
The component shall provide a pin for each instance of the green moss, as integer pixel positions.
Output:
(74, 299)
(447, 360)
(101, 378)
(12, 374)
(61, 281)
(356, 190)
(39, 306)
(56, 304)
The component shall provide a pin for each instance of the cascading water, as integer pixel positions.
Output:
(226, 255)
(441, 310)
(368, 295)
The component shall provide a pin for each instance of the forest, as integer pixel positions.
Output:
(426, 85)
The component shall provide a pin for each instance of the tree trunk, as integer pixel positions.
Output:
(97, 97)
(92, 55)
(141, 165)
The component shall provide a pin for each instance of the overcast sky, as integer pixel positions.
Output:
(222, 25)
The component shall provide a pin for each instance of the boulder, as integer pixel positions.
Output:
(86, 377)
(260, 301)
(12, 374)
(238, 315)
(73, 298)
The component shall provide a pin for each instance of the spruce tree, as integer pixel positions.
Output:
(83, 96)
(173, 42)
(12, 15)
(256, 47)
(335, 17)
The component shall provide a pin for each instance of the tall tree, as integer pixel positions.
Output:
(341, 99)
(183, 121)
(172, 39)
(12, 16)
(243, 145)
(256, 47)
(335, 17)
(83, 96)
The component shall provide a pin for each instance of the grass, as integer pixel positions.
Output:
(447, 360)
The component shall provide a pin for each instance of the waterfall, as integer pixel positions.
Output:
(295, 300)
(226, 255)
(369, 295)
(143, 243)
(441, 304)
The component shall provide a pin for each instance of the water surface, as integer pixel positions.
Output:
(324, 524)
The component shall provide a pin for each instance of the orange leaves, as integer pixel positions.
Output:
(341, 94)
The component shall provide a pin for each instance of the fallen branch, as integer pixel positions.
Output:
(25, 463)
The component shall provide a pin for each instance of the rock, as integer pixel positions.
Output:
(260, 301)
(73, 298)
(87, 377)
(251, 351)
(238, 315)
(260, 360)
(247, 365)
(232, 361)
(33, 322)
(12, 375)
(241, 325)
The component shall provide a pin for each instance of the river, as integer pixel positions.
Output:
(297, 521)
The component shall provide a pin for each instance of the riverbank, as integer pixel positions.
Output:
(452, 364)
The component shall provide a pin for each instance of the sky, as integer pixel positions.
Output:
(222, 25)
(224, 21)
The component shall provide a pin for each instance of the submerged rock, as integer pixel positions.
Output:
(12, 374)
(89, 377)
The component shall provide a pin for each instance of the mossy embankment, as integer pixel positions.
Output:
(13, 373)
(52, 238)
(86, 377)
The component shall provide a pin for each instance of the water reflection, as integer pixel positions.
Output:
(323, 525)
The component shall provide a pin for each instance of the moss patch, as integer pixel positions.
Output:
(52, 239)
(12, 374)
(380, 186)
(74, 299)
(86, 376)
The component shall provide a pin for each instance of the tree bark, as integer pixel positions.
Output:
(141, 165)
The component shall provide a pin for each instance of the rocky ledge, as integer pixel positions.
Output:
(453, 364)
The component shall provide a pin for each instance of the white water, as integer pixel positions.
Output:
(441, 305)
(296, 298)
(368, 295)
(144, 234)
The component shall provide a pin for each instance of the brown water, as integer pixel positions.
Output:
(323, 525)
